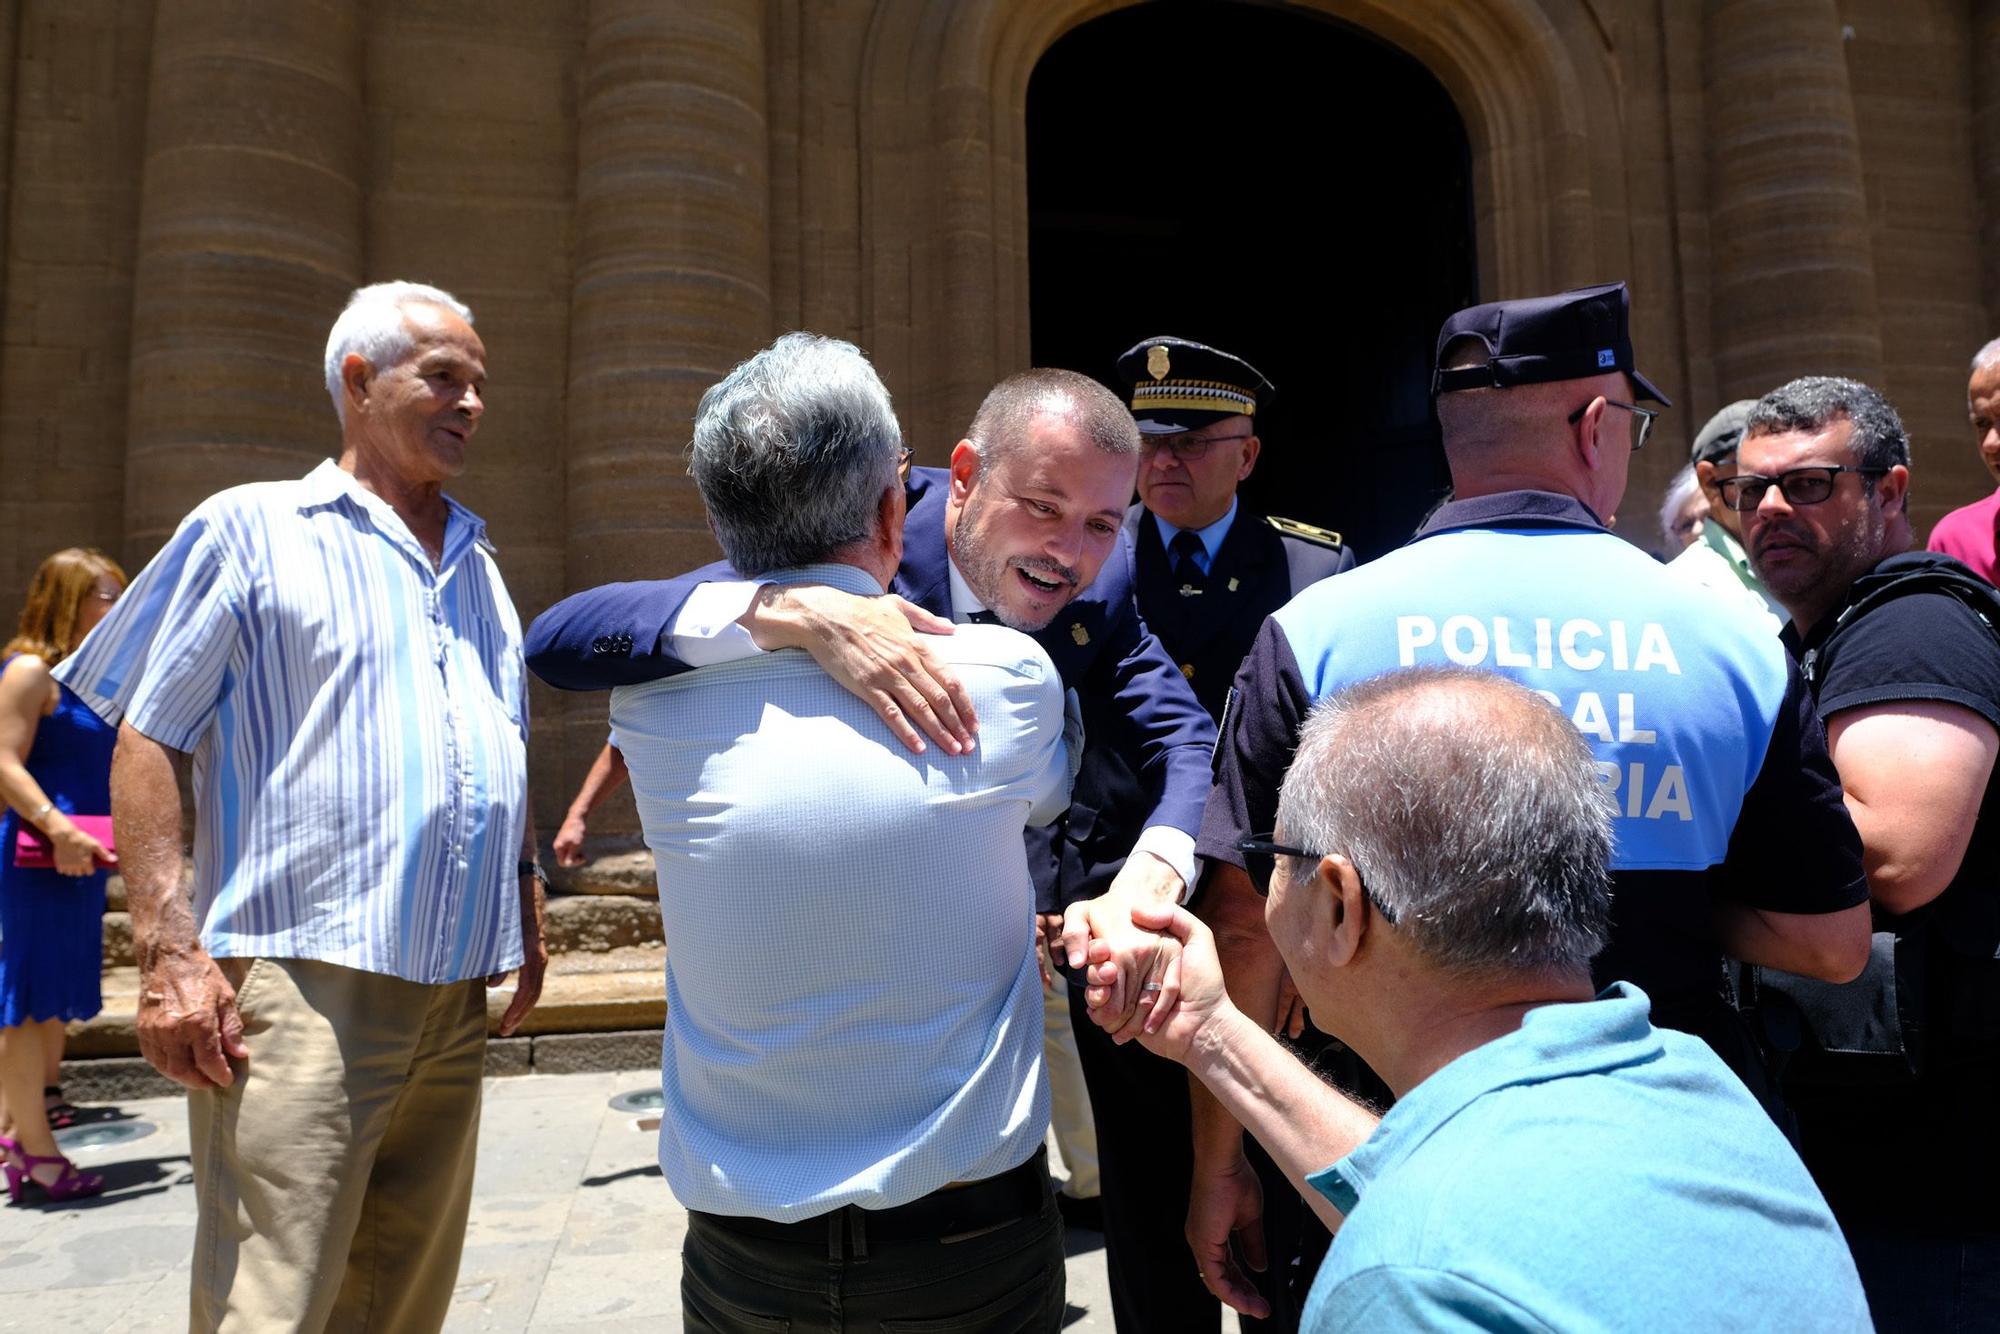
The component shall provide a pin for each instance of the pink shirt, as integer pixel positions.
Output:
(1969, 535)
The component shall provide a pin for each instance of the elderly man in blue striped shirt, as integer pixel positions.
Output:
(341, 658)
(855, 1100)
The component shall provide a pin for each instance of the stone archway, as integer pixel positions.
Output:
(1307, 206)
(943, 88)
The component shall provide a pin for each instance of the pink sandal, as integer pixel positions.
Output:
(70, 1184)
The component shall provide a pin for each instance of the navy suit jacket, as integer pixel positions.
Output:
(1208, 625)
(1139, 713)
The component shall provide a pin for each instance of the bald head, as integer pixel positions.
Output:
(1524, 422)
(1521, 437)
(1002, 424)
(1471, 808)
(1987, 357)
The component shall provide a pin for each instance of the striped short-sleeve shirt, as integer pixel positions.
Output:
(358, 721)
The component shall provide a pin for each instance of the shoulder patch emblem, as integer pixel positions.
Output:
(1305, 532)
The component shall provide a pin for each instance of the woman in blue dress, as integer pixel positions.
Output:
(55, 762)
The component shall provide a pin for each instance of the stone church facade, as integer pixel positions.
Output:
(634, 194)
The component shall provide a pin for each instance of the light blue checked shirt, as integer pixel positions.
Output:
(358, 722)
(854, 1009)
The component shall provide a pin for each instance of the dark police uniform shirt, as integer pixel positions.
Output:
(1928, 1152)
(1207, 624)
(1703, 730)
(1136, 705)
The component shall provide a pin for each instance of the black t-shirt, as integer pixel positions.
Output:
(1922, 1156)
(1927, 646)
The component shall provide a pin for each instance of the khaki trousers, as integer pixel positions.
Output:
(333, 1178)
(1069, 1100)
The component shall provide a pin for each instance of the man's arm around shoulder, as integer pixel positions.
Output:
(609, 636)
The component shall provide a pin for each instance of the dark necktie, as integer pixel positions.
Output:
(982, 618)
(1184, 549)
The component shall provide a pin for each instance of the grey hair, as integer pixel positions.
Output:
(1470, 807)
(372, 327)
(1000, 427)
(1985, 356)
(792, 451)
(1685, 487)
(1811, 403)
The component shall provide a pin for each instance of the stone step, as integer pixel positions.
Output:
(618, 989)
(578, 924)
(615, 866)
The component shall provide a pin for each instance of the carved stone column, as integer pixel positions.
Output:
(249, 241)
(469, 185)
(77, 109)
(1986, 145)
(672, 281)
(1794, 271)
(673, 268)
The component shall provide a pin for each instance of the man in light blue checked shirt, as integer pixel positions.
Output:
(341, 659)
(854, 1094)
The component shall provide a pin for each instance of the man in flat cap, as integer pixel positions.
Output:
(1208, 573)
(1731, 837)
(1716, 559)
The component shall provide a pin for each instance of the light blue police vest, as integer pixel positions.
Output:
(1677, 692)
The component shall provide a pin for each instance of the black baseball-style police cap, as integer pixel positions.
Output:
(1176, 384)
(1570, 336)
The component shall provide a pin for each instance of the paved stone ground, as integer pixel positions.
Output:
(571, 1228)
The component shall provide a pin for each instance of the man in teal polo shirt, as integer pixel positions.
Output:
(1552, 1161)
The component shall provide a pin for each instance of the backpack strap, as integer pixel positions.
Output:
(1900, 576)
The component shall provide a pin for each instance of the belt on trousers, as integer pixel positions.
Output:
(942, 1215)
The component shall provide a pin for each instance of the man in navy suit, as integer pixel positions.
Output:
(1209, 572)
(1024, 527)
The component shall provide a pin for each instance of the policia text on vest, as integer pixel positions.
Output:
(1655, 791)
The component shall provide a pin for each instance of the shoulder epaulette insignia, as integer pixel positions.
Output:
(1305, 532)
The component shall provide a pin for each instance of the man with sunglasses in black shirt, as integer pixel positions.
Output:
(1896, 1091)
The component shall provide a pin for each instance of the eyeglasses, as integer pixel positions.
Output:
(903, 459)
(1262, 846)
(1186, 447)
(1642, 420)
(1799, 486)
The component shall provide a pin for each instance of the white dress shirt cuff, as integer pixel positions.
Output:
(706, 631)
(1175, 847)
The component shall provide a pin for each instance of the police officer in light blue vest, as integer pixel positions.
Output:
(1732, 838)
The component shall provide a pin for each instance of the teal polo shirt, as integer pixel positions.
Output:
(1586, 1172)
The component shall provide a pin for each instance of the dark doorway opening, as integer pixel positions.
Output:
(1276, 184)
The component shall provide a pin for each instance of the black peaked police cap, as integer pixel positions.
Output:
(1177, 384)
(1570, 336)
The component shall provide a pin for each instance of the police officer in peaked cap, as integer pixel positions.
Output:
(1208, 571)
